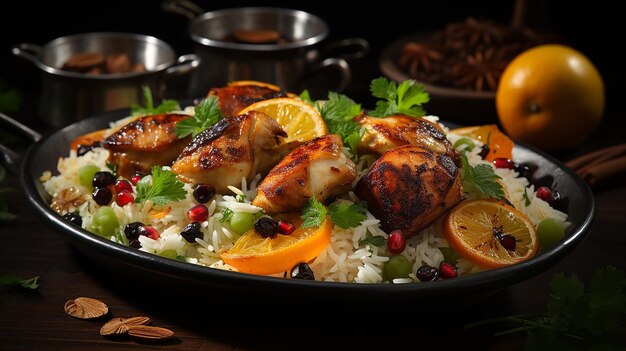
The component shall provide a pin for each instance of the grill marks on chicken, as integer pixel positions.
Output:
(384, 134)
(234, 98)
(235, 147)
(316, 169)
(147, 141)
(409, 187)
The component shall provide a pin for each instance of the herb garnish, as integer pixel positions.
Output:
(13, 281)
(526, 198)
(207, 113)
(482, 177)
(374, 240)
(343, 215)
(407, 98)
(162, 188)
(164, 106)
(227, 213)
(576, 319)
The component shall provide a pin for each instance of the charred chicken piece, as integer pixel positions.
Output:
(144, 142)
(235, 147)
(234, 98)
(384, 134)
(316, 169)
(409, 187)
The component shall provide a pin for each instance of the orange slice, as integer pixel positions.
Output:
(257, 255)
(254, 82)
(499, 144)
(300, 120)
(475, 228)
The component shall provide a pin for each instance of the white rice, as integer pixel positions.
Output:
(345, 259)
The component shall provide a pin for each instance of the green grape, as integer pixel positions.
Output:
(549, 232)
(171, 254)
(105, 221)
(398, 266)
(86, 173)
(241, 222)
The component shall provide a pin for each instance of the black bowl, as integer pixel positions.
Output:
(44, 154)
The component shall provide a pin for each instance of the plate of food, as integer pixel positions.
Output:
(257, 189)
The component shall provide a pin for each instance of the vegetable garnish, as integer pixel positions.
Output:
(343, 215)
(407, 98)
(338, 113)
(13, 281)
(227, 213)
(374, 240)
(207, 113)
(576, 319)
(164, 106)
(162, 188)
(482, 177)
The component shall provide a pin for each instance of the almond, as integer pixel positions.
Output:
(86, 308)
(119, 326)
(149, 332)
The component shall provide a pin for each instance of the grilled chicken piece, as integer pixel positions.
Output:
(234, 98)
(409, 187)
(235, 147)
(316, 169)
(384, 134)
(145, 142)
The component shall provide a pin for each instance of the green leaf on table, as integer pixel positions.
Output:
(14, 281)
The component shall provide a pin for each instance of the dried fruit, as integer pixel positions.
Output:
(120, 326)
(68, 200)
(149, 332)
(86, 308)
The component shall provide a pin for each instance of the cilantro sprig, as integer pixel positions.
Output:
(482, 178)
(164, 107)
(576, 318)
(162, 188)
(374, 240)
(207, 113)
(342, 214)
(407, 98)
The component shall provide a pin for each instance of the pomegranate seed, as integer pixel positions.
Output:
(545, 194)
(122, 185)
(286, 227)
(507, 241)
(447, 270)
(124, 198)
(396, 242)
(198, 213)
(502, 162)
(152, 233)
(136, 178)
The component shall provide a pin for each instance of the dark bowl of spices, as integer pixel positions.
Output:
(460, 65)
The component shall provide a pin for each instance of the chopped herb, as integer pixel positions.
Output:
(240, 198)
(526, 198)
(576, 318)
(13, 281)
(227, 213)
(338, 113)
(406, 99)
(345, 215)
(313, 214)
(113, 168)
(482, 177)
(164, 106)
(377, 240)
(162, 188)
(304, 95)
(181, 258)
(207, 113)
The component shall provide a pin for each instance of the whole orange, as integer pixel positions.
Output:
(550, 96)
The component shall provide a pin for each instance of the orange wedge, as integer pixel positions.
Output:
(499, 144)
(300, 120)
(490, 234)
(257, 255)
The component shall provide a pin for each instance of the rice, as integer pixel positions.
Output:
(347, 258)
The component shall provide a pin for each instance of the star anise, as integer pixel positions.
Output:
(481, 71)
(475, 32)
(417, 58)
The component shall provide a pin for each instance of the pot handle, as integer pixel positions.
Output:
(9, 158)
(184, 65)
(340, 64)
(347, 49)
(27, 51)
(182, 7)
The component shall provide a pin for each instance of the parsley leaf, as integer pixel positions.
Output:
(13, 281)
(482, 177)
(338, 113)
(227, 213)
(407, 98)
(304, 95)
(165, 106)
(162, 188)
(313, 214)
(207, 113)
(374, 240)
(345, 215)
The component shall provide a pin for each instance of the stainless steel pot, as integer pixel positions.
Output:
(69, 96)
(291, 64)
